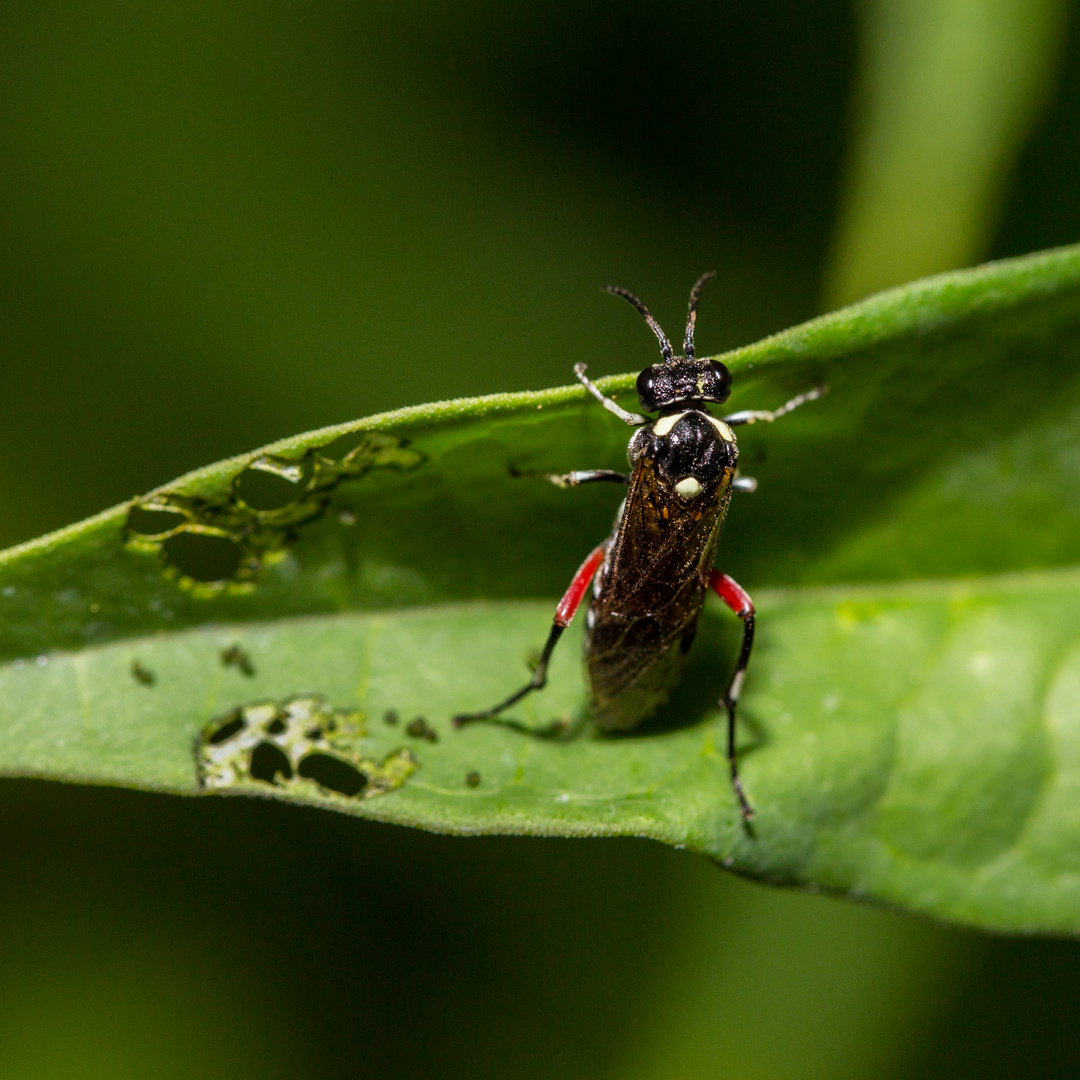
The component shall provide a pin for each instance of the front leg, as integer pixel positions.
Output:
(633, 419)
(752, 416)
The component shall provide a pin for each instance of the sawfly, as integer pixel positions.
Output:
(651, 575)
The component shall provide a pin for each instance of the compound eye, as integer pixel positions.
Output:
(717, 382)
(646, 389)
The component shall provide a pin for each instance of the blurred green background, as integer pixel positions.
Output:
(224, 223)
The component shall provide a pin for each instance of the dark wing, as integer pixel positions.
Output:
(661, 540)
(651, 594)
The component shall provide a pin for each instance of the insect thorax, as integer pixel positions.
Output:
(692, 449)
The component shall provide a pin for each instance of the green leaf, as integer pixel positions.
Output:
(909, 739)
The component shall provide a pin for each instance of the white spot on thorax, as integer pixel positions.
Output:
(689, 487)
(664, 425)
(724, 431)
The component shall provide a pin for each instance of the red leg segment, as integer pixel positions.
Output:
(572, 598)
(736, 598)
(732, 593)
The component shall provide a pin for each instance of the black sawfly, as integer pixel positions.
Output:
(651, 575)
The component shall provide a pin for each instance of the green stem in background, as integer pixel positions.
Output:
(949, 90)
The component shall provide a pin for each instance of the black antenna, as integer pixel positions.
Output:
(691, 315)
(665, 345)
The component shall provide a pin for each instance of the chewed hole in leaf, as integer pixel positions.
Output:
(151, 521)
(333, 773)
(267, 484)
(212, 542)
(232, 725)
(341, 447)
(301, 744)
(202, 556)
(268, 762)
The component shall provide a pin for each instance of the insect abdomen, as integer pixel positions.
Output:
(632, 670)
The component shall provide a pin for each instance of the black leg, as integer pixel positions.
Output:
(731, 701)
(537, 682)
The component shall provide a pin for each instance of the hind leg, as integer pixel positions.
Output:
(563, 614)
(736, 598)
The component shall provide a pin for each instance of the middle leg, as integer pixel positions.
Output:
(587, 476)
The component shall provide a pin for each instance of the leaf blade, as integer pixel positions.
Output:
(909, 741)
(892, 778)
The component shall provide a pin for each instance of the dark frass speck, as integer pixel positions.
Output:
(236, 657)
(142, 674)
(421, 729)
